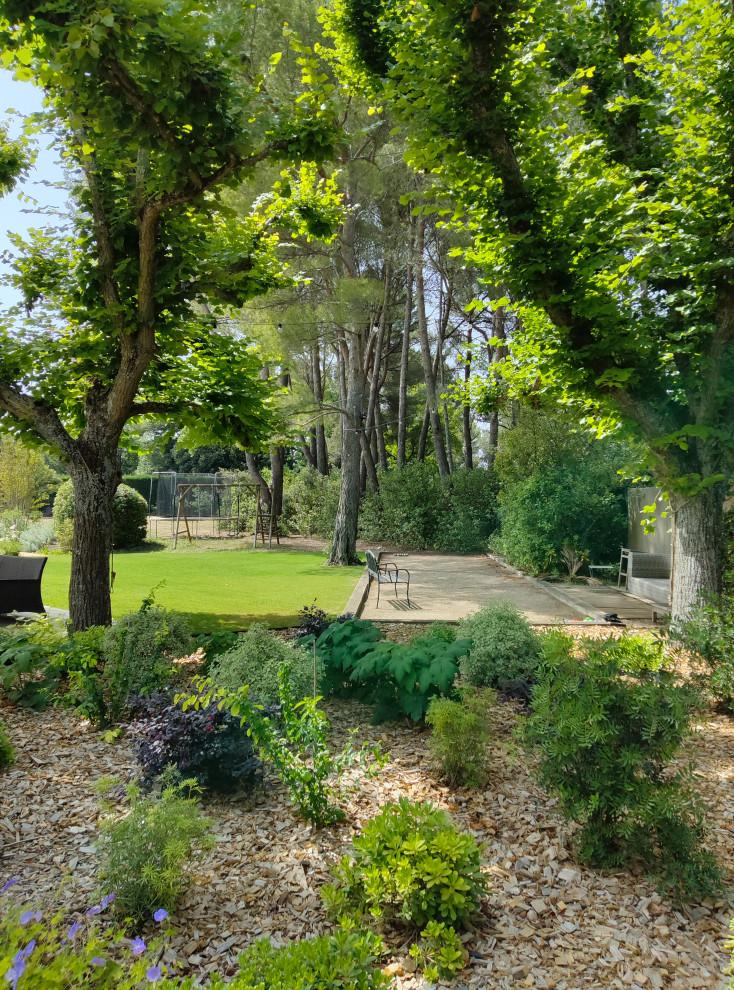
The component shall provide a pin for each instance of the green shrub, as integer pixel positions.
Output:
(138, 651)
(146, 856)
(37, 535)
(300, 752)
(129, 510)
(255, 660)
(504, 646)
(26, 676)
(559, 507)
(397, 678)
(606, 734)
(41, 950)
(440, 630)
(410, 865)
(310, 501)
(439, 953)
(708, 633)
(343, 961)
(461, 734)
(7, 752)
(416, 510)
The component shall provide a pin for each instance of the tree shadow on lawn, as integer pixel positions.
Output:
(211, 622)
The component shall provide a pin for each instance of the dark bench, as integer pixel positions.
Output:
(388, 573)
(20, 584)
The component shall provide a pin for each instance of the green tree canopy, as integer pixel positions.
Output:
(159, 116)
(589, 148)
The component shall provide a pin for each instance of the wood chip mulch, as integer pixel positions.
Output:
(548, 923)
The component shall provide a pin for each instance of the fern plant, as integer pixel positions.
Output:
(396, 678)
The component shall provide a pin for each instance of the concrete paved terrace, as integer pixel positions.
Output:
(448, 588)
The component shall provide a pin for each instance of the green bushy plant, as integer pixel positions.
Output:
(37, 535)
(409, 865)
(26, 676)
(298, 749)
(607, 731)
(138, 653)
(461, 734)
(708, 633)
(310, 501)
(396, 678)
(504, 646)
(439, 953)
(440, 630)
(407, 510)
(255, 660)
(7, 751)
(129, 511)
(342, 961)
(146, 856)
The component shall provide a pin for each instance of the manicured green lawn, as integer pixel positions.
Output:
(221, 589)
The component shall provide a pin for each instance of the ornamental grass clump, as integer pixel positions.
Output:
(409, 866)
(147, 854)
(607, 724)
(504, 646)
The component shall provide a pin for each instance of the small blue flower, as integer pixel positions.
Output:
(97, 961)
(138, 946)
(153, 974)
(29, 948)
(27, 916)
(94, 910)
(74, 929)
(9, 884)
(16, 970)
(161, 914)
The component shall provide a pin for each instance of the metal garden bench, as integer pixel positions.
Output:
(388, 573)
(20, 584)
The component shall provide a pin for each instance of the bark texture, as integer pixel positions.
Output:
(697, 548)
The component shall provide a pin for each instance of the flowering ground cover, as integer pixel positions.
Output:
(548, 922)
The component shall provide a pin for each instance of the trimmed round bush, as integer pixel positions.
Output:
(255, 661)
(129, 509)
(504, 646)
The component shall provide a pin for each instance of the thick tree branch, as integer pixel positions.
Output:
(43, 418)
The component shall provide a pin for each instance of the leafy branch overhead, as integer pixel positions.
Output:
(159, 118)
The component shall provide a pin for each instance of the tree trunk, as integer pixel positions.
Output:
(382, 449)
(439, 446)
(498, 353)
(89, 587)
(257, 479)
(344, 545)
(466, 410)
(322, 460)
(697, 548)
(277, 464)
(404, 357)
(368, 462)
(307, 452)
(421, 454)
